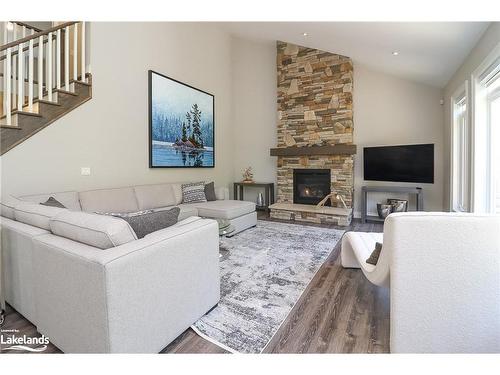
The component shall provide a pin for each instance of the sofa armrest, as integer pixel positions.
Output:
(136, 297)
(222, 193)
(445, 282)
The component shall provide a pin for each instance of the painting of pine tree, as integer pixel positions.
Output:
(181, 120)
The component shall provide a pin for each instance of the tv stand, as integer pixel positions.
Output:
(388, 189)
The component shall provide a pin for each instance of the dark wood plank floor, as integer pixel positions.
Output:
(339, 312)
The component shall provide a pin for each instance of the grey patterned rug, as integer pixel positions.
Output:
(264, 270)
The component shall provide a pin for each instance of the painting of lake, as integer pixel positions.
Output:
(181, 120)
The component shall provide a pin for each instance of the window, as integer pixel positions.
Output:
(460, 151)
(486, 87)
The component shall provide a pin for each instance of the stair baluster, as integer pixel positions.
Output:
(30, 76)
(14, 69)
(50, 84)
(75, 52)
(20, 76)
(82, 54)
(66, 59)
(58, 59)
(40, 67)
(7, 92)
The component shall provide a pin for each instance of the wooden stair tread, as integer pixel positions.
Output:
(82, 83)
(47, 102)
(16, 112)
(66, 92)
(10, 127)
(24, 113)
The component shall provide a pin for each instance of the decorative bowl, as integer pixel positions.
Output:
(383, 210)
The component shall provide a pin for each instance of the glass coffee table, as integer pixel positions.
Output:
(225, 227)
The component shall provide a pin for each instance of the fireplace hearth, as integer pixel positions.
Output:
(310, 186)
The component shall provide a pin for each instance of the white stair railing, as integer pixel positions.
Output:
(18, 72)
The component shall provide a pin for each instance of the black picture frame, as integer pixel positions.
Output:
(154, 165)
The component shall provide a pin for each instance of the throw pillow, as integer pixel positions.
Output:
(52, 202)
(149, 221)
(210, 192)
(373, 259)
(193, 192)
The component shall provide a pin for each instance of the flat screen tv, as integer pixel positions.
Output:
(407, 163)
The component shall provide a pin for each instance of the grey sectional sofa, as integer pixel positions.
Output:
(91, 286)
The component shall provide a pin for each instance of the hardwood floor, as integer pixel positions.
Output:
(339, 312)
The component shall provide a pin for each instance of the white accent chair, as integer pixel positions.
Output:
(444, 275)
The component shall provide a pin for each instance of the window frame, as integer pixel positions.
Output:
(481, 166)
(460, 197)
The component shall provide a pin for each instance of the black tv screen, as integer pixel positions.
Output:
(409, 163)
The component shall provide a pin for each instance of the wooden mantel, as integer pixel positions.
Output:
(342, 149)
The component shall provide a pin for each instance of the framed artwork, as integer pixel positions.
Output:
(181, 124)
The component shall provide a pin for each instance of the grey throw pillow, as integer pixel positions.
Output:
(149, 221)
(193, 192)
(373, 259)
(52, 202)
(210, 192)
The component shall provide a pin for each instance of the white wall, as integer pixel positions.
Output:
(391, 111)
(254, 110)
(488, 41)
(110, 132)
(387, 111)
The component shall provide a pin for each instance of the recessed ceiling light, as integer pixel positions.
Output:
(395, 53)
(305, 34)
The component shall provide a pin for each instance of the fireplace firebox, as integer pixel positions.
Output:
(310, 186)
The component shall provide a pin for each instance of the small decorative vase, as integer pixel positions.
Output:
(383, 210)
(260, 200)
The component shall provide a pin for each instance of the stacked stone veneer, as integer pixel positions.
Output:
(314, 108)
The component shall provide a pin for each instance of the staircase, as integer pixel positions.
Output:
(43, 77)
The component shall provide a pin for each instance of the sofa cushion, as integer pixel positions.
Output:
(154, 196)
(226, 209)
(109, 200)
(7, 206)
(36, 214)
(100, 231)
(68, 198)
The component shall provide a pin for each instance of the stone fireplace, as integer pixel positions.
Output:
(315, 127)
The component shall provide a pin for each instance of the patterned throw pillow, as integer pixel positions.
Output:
(193, 192)
(53, 202)
(148, 221)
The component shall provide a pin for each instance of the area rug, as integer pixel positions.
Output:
(264, 271)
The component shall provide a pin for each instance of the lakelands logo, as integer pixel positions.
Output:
(23, 343)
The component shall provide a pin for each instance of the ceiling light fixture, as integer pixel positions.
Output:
(395, 53)
(305, 34)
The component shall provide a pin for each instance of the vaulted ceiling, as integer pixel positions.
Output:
(427, 52)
